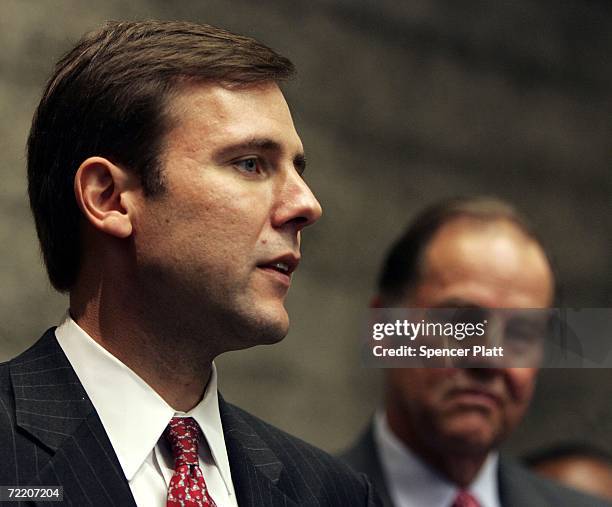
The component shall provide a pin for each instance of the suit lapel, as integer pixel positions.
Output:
(364, 457)
(256, 471)
(516, 486)
(54, 410)
(374, 466)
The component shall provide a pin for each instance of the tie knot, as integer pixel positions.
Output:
(465, 499)
(182, 433)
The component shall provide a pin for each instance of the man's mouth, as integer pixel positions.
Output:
(284, 265)
(476, 397)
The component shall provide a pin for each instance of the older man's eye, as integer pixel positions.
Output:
(249, 165)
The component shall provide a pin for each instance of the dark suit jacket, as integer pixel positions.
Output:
(50, 434)
(518, 487)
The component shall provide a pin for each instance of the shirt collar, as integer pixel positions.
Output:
(132, 413)
(414, 483)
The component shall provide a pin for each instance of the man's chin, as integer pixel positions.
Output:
(471, 434)
(273, 333)
(265, 328)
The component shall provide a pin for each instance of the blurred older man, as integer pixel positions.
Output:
(435, 442)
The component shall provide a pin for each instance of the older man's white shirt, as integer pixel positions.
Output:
(412, 483)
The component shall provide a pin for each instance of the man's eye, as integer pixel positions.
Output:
(249, 165)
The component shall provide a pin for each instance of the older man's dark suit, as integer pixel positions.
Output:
(50, 434)
(518, 487)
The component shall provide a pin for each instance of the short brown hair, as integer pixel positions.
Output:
(108, 97)
(403, 266)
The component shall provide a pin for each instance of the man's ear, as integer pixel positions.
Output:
(100, 188)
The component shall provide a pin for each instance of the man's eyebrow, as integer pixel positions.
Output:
(457, 303)
(256, 144)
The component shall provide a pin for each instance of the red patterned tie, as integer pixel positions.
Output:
(187, 487)
(464, 499)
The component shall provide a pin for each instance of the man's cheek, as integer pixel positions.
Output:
(524, 392)
(522, 384)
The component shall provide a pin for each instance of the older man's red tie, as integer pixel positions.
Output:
(464, 499)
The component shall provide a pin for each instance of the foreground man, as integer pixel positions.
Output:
(435, 442)
(165, 178)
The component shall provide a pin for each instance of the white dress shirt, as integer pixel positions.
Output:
(412, 483)
(135, 416)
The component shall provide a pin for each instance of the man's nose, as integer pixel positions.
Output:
(297, 205)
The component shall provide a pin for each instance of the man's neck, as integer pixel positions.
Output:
(176, 367)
